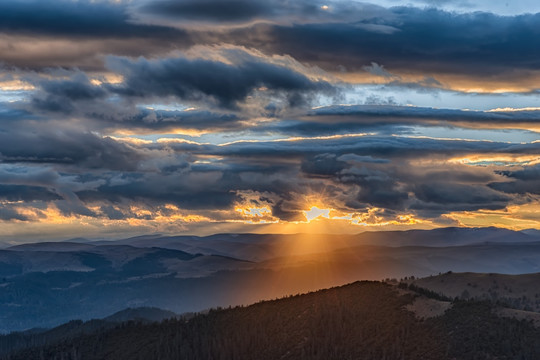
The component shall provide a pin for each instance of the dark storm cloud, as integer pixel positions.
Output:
(41, 34)
(15, 193)
(77, 88)
(9, 114)
(346, 36)
(44, 183)
(209, 80)
(185, 188)
(193, 186)
(280, 211)
(364, 171)
(66, 147)
(8, 213)
(112, 213)
(407, 189)
(525, 181)
(267, 85)
(376, 146)
(163, 120)
(526, 174)
(210, 10)
(62, 95)
(227, 10)
(339, 119)
(195, 82)
(408, 113)
(74, 18)
(424, 40)
(322, 165)
(75, 95)
(458, 197)
(377, 187)
(360, 172)
(219, 12)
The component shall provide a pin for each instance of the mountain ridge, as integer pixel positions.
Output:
(367, 320)
(45, 288)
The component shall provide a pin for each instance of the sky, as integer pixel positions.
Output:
(121, 118)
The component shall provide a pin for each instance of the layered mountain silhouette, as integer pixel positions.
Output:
(43, 285)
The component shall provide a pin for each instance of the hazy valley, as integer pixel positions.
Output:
(47, 284)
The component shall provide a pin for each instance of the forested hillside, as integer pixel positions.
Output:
(363, 320)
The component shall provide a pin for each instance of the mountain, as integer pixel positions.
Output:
(450, 236)
(47, 284)
(144, 314)
(260, 247)
(47, 257)
(362, 320)
(520, 292)
(52, 246)
(42, 288)
(535, 233)
(72, 329)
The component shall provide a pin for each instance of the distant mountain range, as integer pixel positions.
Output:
(50, 283)
(257, 247)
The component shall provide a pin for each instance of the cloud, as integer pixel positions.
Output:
(361, 172)
(526, 174)
(377, 188)
(18, 193)
(176, 111)
(385, 184)
(227, 12)
(458, 197)
(346, 35)
(377, 146)
(153, 120)
(502, 7)
(216, 10)
(66, 147)
(427, 41)
(191, 190)
(62, 95)
(8, 213)
(74, 19)
(41, 34)
(525, 181)
(379, 70)
(322, 165)
(339, 119)
(230, 78)
(67, 94)
(354, 174)
(226, 84)
(54, 185)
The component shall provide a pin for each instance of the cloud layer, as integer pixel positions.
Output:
(208, 116)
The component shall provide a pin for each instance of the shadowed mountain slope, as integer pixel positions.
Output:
(363, 320)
